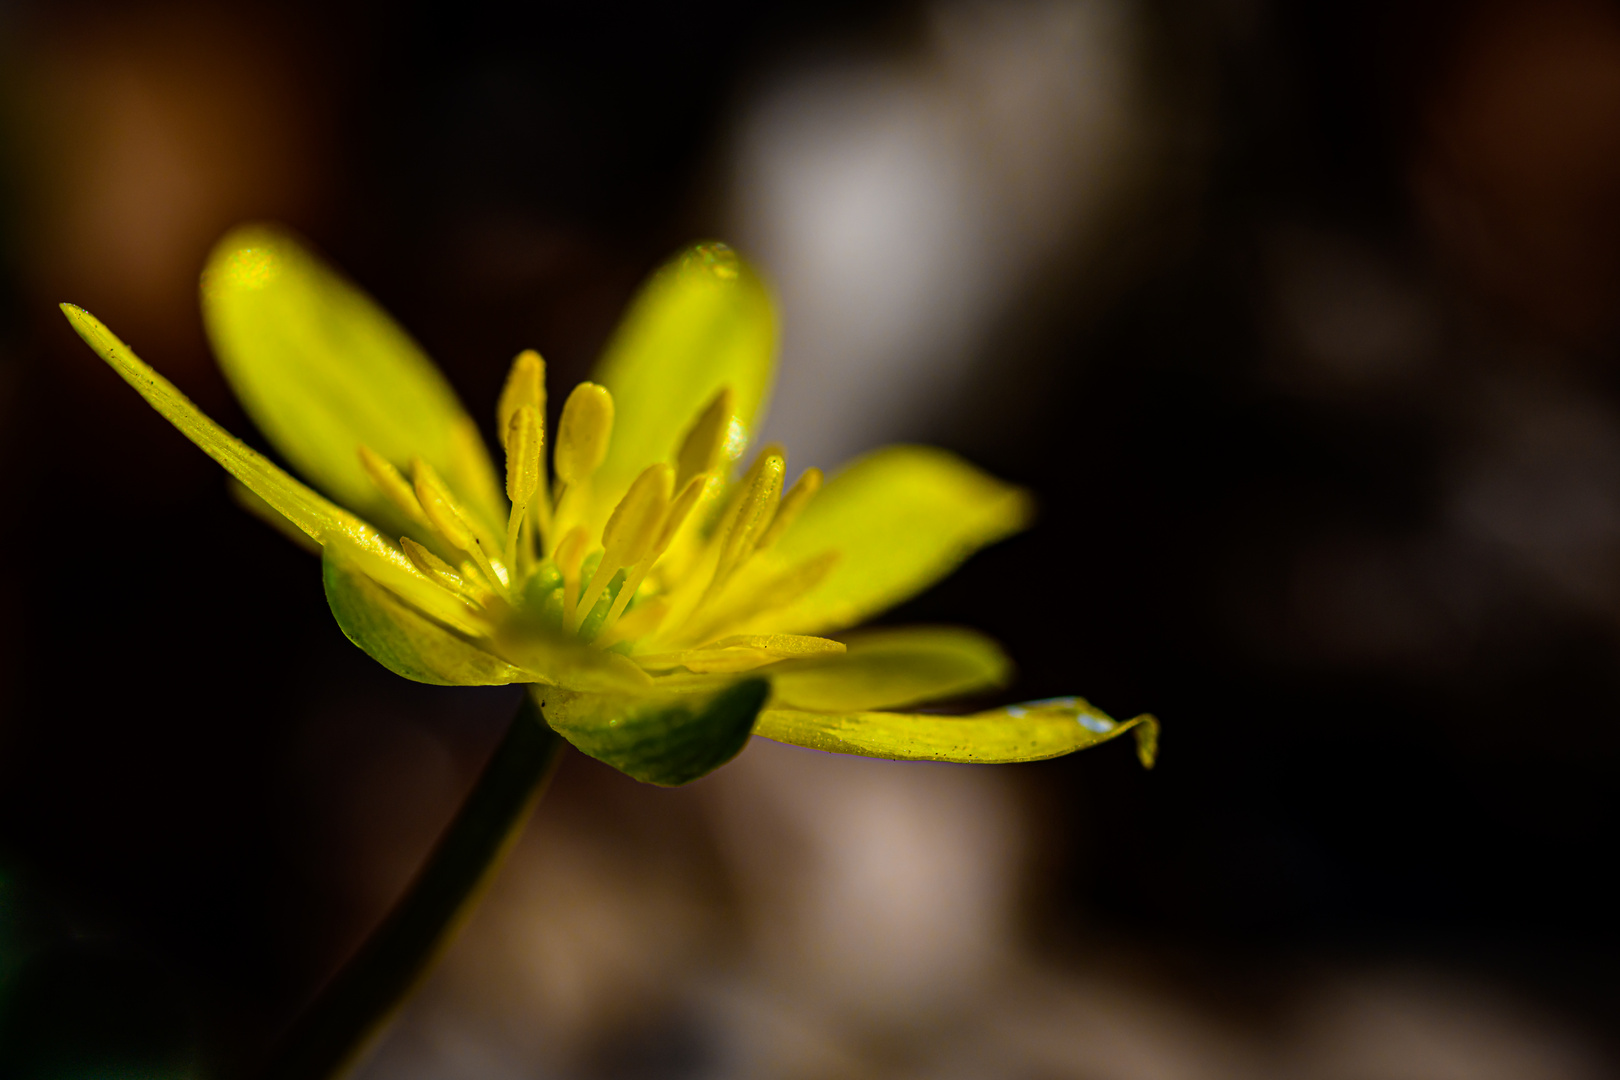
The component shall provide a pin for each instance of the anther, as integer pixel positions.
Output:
(525, 385)
(792, 504)
(674, 518)
(746, 516)
(631, 530)
(634, 525)
(442, 572)
(739, 490)
(706, 441)
(773, 594)
(440, 512)
(393, 486)
(448, 520)
(522, 441)
(751, 515)
(582, 434)
(523, 467)
(679, 510)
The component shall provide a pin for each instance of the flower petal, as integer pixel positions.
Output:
(741, 652)
(326, 524)
(322, 369)
(317, 517)
(1029, 732)
(890, 669)
(704, 321)
(901, 518)
(668, 740)
(402, 639)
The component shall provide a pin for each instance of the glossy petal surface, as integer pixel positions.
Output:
(668, 739)
(704, 321)
(1029, 732)
(890, 669)
(901, 518)
(322, 369)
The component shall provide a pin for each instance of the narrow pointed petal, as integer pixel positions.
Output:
(314, 515)
(1030, 732)
(329, 526)
(322, 369)
(891, 669)
(900, 518)
(405, 641)
(703, 322)
(666, 740)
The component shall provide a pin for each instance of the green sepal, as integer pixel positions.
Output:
(405, 641)
(667, 740)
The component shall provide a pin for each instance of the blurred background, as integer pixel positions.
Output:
(1302, 321)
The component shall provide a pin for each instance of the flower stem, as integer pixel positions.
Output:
(357, 1004)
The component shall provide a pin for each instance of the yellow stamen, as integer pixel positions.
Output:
(393, 485)
(635, 523)
(582, 442)
(569, 557)
(525, 385)
(792, 503)
(679, 510)
(749, 517)
(631, 531)
(736, 492)
(774, 594)
(442, 572)
(583, 433)
(705, 442)
(697, 586)
(450, 523)
(523, 469)
(673, 520)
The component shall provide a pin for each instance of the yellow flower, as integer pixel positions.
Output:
(661, 609)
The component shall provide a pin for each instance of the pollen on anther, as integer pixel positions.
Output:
(525, 385)
(522, 439)
(635, 523)
(709, 438)
(391, 483)
(583, 432)
(792, 504)
(440, 511)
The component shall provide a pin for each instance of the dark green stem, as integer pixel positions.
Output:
(352, 1010)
